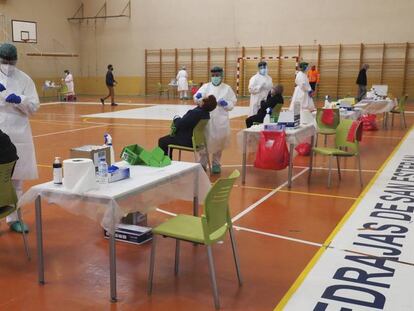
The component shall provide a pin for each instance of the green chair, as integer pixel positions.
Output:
(8, 198)
(276, 112)
(326, 129)
(206, 230)
(400, 109)
(199, 142)
(343, 148)
(162, 90)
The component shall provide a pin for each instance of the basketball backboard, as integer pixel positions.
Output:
(24, 31)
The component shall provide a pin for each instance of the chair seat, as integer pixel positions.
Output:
(6, 211)
(181, 147)
(182, 227)
(395, 111)
(326, 131)
(333, 152)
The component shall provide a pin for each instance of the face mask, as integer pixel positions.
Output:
(7, 69)
(216, 80)
(263, 71)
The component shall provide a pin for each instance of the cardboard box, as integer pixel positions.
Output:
(131, 234)
(93, 152)
(119, 174)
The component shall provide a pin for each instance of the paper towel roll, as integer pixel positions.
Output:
(79, 175)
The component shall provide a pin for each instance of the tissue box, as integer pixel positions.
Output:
(289, 119)
(93, 152)
(119, 174)
(274, 127)
(131, 234)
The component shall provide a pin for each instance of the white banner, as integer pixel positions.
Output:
(369, 264)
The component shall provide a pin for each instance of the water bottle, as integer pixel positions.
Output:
(267, 117)
(327, 103)
(102, 172)
(57, 171)
(108, 142)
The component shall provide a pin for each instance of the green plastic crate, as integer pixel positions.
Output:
(136, 155)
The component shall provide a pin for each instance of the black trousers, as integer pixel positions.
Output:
(164, 141)
(256, 118)
(313, 85)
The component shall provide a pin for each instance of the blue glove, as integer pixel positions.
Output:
(2, 88)
(310, 93)
(222, 103)
(199, 95)
(13, 98)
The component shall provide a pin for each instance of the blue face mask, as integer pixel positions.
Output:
(216, 80)
(263, 71)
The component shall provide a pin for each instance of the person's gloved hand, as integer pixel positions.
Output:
(13, 98)
(199, 95)
(310, 93)
(222, 103)
(2, 88)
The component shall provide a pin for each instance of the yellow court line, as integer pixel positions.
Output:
(301, 192)
(338, 227)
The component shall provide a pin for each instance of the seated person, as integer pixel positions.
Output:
(274, 98)
(184, 126)
(8, 152)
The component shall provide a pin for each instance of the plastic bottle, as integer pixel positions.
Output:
(102, 172)
(327, 103)
(267, 117)
(57, 171)
(108, 142)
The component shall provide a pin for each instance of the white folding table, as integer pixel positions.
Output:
(143, 191)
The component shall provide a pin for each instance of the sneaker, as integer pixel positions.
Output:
(216, 169)
(102, 101)
(114, 104)
(18, 226)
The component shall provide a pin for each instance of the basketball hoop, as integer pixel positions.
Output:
(25, 40)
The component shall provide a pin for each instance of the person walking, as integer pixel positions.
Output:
(110, 84)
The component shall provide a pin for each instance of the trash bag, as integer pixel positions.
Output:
(303, 149)
(328, 117)
(272, 152)
(369, 122)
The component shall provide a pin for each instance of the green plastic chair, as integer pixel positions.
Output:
(343, 148)
(162, 90)
(8, 198)
(206, 230)
(325, 129)
(276, 112)
(199, 142)
(400, 109)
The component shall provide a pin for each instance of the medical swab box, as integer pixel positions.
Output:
(131, 234)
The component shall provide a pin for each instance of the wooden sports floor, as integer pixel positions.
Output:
(277, 235)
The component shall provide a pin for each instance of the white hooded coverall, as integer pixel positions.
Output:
(259, 87)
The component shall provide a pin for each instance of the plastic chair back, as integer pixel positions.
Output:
(276, 111)
(7, 193)
(216, 219)
(322, 125)
(199, 137)
(401, 103)
(342, 135)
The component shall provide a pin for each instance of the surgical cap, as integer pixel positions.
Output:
(217, 69)
(303, 65)
(8, 51)
(262, 64)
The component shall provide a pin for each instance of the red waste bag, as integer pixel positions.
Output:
(369, 122)
(303, 149)
(272, 152)
(328, 117)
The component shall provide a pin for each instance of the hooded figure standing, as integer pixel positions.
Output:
(218, 128)
(303, 92)
(70, 85)
(18, 101)
(259, 86)
(182, 83)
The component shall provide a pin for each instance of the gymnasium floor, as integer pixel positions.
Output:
(278, 232)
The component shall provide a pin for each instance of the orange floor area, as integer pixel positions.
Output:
(276, 238)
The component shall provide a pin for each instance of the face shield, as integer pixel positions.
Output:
(7, 67)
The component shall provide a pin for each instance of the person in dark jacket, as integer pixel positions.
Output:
(184, 126)
(362, 82)
(8, 152)
(275, 97)
(110, 83)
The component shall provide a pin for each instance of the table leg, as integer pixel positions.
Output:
(196, 192)
(112, 266)
(291, 148)
(39, 238)
(244, 158)
(311, 157)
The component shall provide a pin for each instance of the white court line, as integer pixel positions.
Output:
(95, 104)
(68, 131)
(302, 167)
(279, 236)
(165, 212)
(257, 203)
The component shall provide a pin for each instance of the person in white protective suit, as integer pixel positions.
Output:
(303, 92)
(182, 83)
(259, 86)
(18, 100)
(218, 128)
(70, 85)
